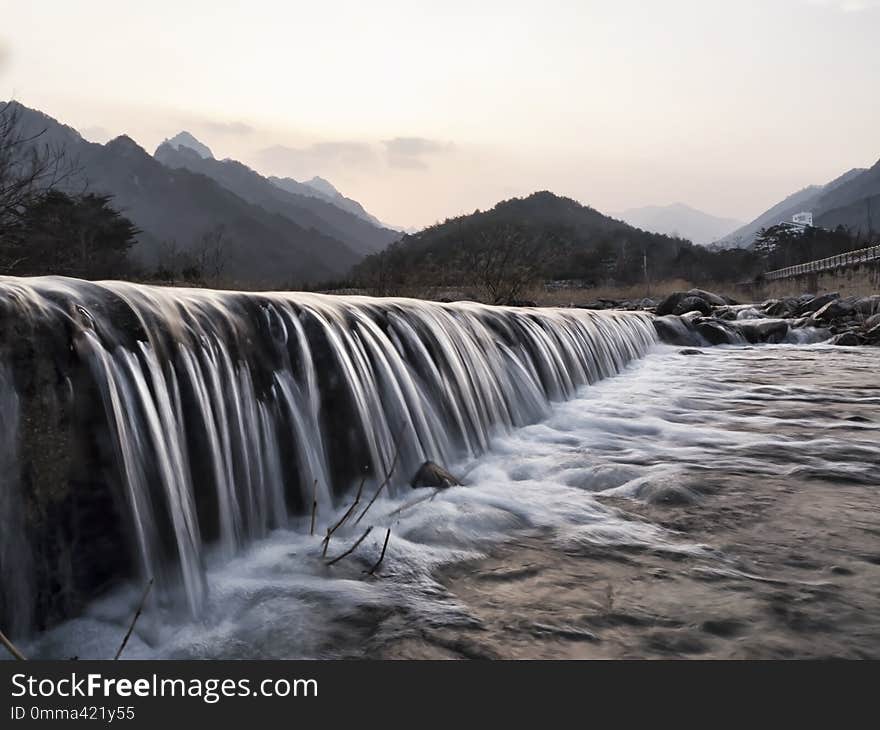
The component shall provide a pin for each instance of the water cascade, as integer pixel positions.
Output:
(140, 425)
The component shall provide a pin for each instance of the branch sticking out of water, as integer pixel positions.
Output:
(352, 548)
(314, 506)
(326, 543)
(382, 556)
(10, 647)
(137, 615)
(385, 481)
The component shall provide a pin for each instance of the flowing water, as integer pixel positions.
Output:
(620, 499)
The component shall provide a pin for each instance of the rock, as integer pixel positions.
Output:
(816, 303)
(675, 331)
(872, 336)
(847, 339)
(871, 322)
(773, 330)
(717, 332)
(835, 309)
(669, 303)
(779, 307)
(690, 351)
(433, 475)
(692, 304)
(716, 300)
(868, 306)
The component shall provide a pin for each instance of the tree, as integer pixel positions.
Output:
(29, 165)
(79, 236)
(507, 260)
(211, 255)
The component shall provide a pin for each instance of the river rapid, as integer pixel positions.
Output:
(723, 504)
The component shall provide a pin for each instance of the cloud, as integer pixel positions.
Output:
(238, 129)
(409, 152)
(321, 157)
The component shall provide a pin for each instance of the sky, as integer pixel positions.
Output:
(423, 110)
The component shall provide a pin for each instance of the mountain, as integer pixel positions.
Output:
(680, 220)
(185, 139)
(264, 248)
(853, 202)
(559, 236)
(811, 198)
(308, 211)
(320, 188)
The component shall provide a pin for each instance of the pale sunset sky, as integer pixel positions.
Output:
(424, 110)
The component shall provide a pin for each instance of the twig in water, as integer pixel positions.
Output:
(382, 556)
(385, 481)
(10, 647)
(137, 615)
(314, 506)
(413, 503)
(341, 522)
(352, 548)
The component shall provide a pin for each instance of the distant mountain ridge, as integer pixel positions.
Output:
(847, 200)
(680, 220)
(309, 211)
(320, 188)
(266, 248)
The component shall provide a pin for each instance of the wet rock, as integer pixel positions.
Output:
(780, 307)
(716, 300)
(692, 304)
(690, 351)
(872, 336)
(674, 303)
(868, 306)
(770, 331)
(847, 339)
(433, 475)
(675, 331)
(871, 322)
(667, 305)
(835, 309)
(816, 303)
(717, 332)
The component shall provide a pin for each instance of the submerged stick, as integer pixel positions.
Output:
(351, 549)
(137, 615)
(382, 556)
(10, 647)
(314, 506)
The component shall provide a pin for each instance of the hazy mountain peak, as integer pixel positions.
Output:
(679, 219)
(322, 186)
(185, 139)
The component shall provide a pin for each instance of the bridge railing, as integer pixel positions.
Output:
(862, 255)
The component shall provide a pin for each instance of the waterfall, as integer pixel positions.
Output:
(182, 418)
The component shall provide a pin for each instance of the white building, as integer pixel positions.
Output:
(803, 219)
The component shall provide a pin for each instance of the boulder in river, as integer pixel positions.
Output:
(692, 304)
(816, 303)
(868, 306)
(433, 475)
(847, 339)
(835, 309)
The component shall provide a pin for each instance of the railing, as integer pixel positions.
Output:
(849, 258)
